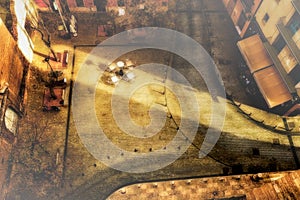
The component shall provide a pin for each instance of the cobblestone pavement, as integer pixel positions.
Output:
(244, 146)
(237, 186)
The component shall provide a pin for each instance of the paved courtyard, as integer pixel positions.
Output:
(247, 144)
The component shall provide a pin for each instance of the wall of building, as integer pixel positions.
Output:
(11, 74)
(280, 12)
(11, 67)
(250, 17)
(270, 19)
(5, 149)
(237, 10)
(16, 55)
(276, 10)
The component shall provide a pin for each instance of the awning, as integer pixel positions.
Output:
(269, 81)
(254, 53)
(272, 86)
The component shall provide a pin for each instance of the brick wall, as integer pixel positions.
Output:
(11, 74)
(11, 65)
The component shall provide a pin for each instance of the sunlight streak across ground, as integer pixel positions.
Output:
(88, 126)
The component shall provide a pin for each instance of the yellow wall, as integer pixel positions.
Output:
(11, 63)
(275, 11)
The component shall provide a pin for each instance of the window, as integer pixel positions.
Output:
(11, 120)
(294, 23)
(279, 43)
(266, 18)
(255, 151)
(242, 20)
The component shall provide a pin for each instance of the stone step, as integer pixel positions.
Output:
(244, 147)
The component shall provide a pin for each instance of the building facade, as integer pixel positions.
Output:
(12, 95)
(272, 48)
(241, 13)
(279, 20)
(16, 55)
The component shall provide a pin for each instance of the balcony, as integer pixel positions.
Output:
(288, 37)
(273, 55)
